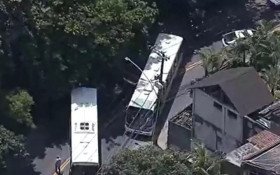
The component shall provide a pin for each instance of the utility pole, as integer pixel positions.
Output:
(163, 58)
(161, 70)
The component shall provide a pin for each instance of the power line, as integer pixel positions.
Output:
(143, 125)
(162, 55)
(134, 119)
(132, 133)
(127, 140)
(157, 111)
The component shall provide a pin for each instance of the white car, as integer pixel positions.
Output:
(231, 37)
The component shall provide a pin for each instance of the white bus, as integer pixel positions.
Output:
(84, 148)
(144, 105)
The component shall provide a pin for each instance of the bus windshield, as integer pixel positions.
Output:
(139, 119)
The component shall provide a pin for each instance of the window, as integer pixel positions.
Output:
(219, 139)
(232, 114)
(84, 126)
(219, 133)
(218, 106)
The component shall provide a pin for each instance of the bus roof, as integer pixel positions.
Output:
(84, 126)
(144, 96)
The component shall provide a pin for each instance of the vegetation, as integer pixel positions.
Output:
(154, 161)
(261, 51)
(47, 47)
(20, 103)
(211, 60)
(10, 144)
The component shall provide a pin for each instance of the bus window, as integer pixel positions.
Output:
(84, 126)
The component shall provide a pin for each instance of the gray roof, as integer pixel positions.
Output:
(243, 86)
(269, 160)
(255, 151)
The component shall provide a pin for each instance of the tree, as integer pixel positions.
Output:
(240, 50)
(154, 161)
(148, 161)
(49, 47)
(20, 103)
(212, 61)
(10, 145)
(205, 164)
(272, 77)
(78, 42)
(260, 50)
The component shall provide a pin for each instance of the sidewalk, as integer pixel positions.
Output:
(182, 100)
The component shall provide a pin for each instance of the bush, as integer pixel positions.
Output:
(20, 103)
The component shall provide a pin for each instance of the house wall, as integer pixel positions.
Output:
(179, 137)
(214, 126)
(251, 170)
(230, 169)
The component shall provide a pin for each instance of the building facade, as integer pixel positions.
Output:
(222, 103)
(218, 125)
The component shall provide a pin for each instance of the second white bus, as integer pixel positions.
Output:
(144, 105)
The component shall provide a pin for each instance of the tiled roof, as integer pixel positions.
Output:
(238, 155)
(264, 139)
(257, 144)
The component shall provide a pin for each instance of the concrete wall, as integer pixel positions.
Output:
(230, 169)
(205, 133)
(213, 126)
(179, 137)
(205, 109)
(233, 126)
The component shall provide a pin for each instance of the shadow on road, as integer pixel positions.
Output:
(47, 138)
(199, 27)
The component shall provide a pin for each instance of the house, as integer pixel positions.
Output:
(267, 118)
(179, 130)
(222, 105)
(260, 156)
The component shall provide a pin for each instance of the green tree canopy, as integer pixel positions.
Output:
(261, 51)
(51, 45)
(154, 161)
(81, 39)
(10, 144)
(20, 104)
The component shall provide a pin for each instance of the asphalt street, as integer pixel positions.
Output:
(43, 150)
(113, 135)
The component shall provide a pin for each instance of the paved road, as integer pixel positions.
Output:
(182, 100)
(112, 134)
(196, 33)
(113, 137)
(193, 69)
(45, 151)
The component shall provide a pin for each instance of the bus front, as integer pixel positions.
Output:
(140, 119)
